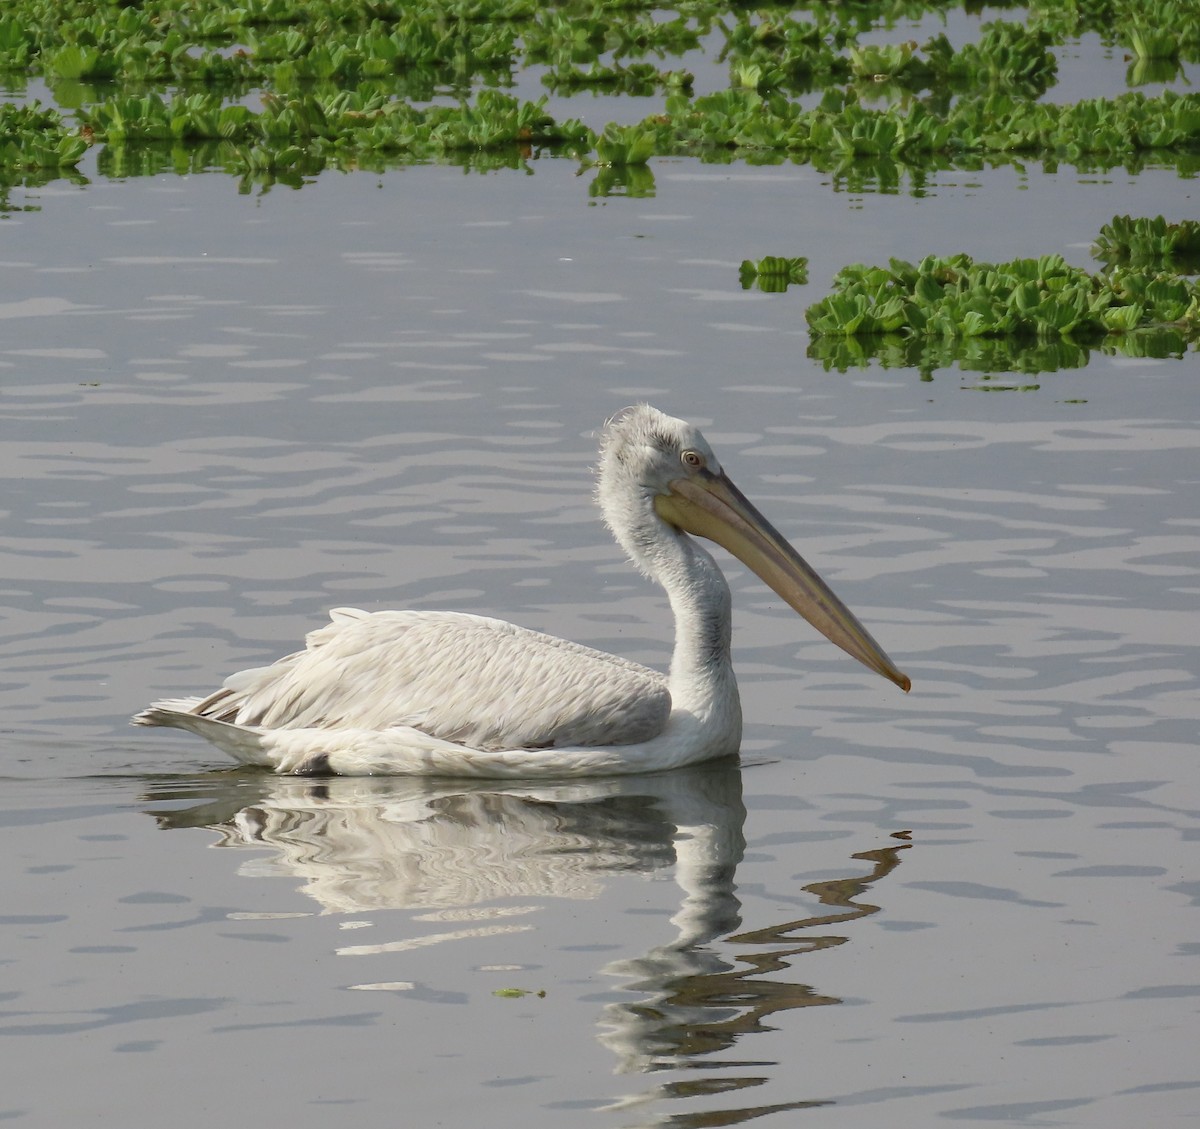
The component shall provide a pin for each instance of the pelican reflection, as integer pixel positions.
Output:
(468, 854)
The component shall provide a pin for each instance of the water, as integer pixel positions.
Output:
(224, 414)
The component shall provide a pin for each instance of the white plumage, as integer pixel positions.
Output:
(450, 694)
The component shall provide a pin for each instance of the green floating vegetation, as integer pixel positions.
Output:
(33, 137)
(995, 123)
(1043, 299)
(773, 274)
(622, 153)
(624, 145)
(567, 35)
(282, 44)
(364, 120)
(369, 118)
(797, 55)
(639, 79)
(359, 82)
(1152, 243)
(1159, 31)
(288, 44)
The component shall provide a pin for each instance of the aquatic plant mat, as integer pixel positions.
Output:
(275, 91)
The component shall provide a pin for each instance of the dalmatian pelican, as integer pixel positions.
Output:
(450, 694)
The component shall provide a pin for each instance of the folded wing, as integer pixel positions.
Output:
(480, 682)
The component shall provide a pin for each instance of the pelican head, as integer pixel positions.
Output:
(660, 479)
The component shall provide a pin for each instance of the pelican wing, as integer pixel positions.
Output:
(480, 682)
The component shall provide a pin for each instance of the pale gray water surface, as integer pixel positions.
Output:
(223, 415)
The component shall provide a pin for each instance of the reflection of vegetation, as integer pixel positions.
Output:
(1151, 243)
(986, 354)
(635, 181)
(262, 166)
(773, 274)
(976, 354)
(30, 179)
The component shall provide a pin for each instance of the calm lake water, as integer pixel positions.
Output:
(225, 414)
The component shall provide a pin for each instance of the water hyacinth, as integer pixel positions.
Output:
(350, 81)
(365, 119)
(995, 123)
(1045, 298)
(773, 274)
(1153, 243)
(34, 137)
(624, 145)
(638, 79)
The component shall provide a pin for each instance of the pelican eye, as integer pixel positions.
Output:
(693, 460)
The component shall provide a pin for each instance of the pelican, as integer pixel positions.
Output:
(450, 694)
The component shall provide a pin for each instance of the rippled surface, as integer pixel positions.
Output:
(224, 415)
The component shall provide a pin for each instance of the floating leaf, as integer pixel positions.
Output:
(773, 274)
(1150, 243)
(625, 145)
